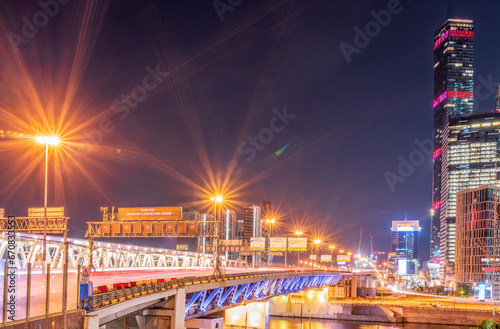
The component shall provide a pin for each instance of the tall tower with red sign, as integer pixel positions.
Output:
(453, 96)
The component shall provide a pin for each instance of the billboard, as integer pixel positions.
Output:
(343, 258)
(150, 213)
(312, 257)
(297, 244)
(326, 258)
(52, 212)
(257, 243)
(278, 244)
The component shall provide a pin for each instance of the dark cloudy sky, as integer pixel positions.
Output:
(350, 121)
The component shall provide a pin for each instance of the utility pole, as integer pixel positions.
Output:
(360, 235)
(371, 240)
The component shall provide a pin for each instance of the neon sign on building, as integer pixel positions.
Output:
(453, 33)
(452, 94)
(437, 152)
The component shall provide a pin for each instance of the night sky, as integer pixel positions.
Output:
(326, 128)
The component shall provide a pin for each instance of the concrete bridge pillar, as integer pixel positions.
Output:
(179, 309)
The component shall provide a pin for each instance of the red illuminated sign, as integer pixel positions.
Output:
(436, 205)
(461, 34)
(453, 33)
(452, 94)
(437, 152)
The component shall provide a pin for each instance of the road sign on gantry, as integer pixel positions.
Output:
(326, 258)
(257, 243)
(150, 213)
(297, 244)
(343, 258)
(277, 244)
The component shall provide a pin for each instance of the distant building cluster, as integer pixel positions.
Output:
(465, 164)
(233, 228)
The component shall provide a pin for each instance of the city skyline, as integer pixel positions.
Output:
(333, 151)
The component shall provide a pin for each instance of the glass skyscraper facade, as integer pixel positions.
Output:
(405, 244)
(475, 224)
(453, 95)
(470, 154)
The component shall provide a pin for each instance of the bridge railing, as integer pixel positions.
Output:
(107, 298)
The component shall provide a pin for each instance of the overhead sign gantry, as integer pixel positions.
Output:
(149, 222)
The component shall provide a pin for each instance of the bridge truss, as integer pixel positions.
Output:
(208, 294)
(28, 249)
(208, 301)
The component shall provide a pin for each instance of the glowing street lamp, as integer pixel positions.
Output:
(316, 244)
(298, 233)
(53, 141)
(270, 222)
(217, 199)
(332, 247)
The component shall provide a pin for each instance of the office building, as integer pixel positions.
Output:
(252, 223)
(475, 222)
(229, 225)
(405, 245)
(497, 101)
(469, 158)
(405, 238)
(453, 95)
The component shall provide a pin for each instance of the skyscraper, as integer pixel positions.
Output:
(453, 95)
(405, 243)
(405, 237)
(229, 225)
(497, 101)
(470, 154)
(252, 223)
(475, 235)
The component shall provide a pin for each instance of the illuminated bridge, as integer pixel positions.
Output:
(143, 287)
(168, 304)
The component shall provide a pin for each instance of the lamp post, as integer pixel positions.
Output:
(46, 140)
(216, 262)
(316, 244)
(332, 247)
(269, 222)
(298, 233)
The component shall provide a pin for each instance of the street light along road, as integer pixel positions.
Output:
(46, 140)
